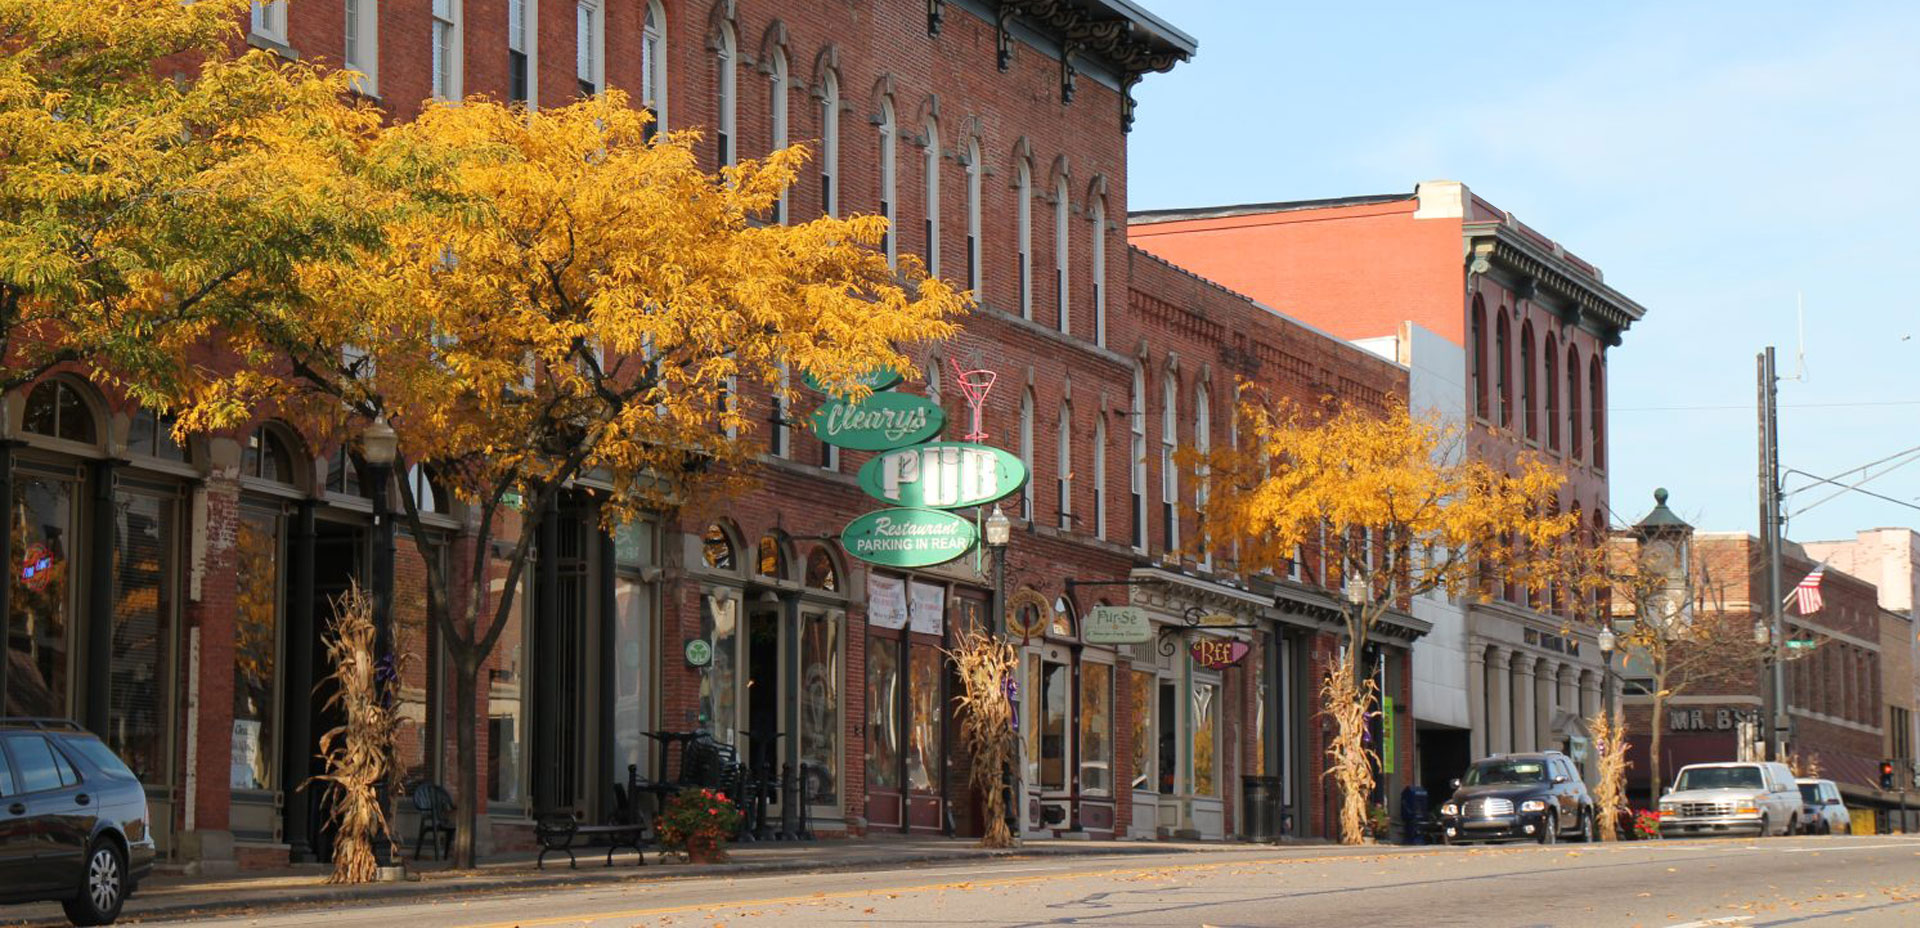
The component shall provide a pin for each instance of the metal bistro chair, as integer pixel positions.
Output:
(435, 807)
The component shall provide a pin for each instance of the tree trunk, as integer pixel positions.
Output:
(1653, 742)
(466, 831)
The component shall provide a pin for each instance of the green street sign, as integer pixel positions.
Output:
(876, 380)
(907, 537)
(1800, 642)
(880, 422)
(942, 475)
(699, 652)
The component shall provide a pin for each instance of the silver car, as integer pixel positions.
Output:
(1824, 813)
(1734, 798)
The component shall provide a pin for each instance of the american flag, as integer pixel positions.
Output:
(1806, 596)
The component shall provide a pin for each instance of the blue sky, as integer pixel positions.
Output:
(1714, 159)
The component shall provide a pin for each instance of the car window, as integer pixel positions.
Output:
(1506, 771)
(6, 776)
(1810, 793)
(68, 775)
(1720, 778)
(33, 763)
(101, 756)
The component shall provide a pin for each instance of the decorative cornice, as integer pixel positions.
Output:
(1494, 248)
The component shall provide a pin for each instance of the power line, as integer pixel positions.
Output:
(1867, 466)
(1900, 502)
(1750, 406)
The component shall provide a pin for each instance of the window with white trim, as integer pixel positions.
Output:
(269, 20)
(1023, 210)
(446, 49)
(830, 144)
(1202, 443)
(1099, 209)
(974, 270)
(1063, 465)
(930, 178)
(726, 132)
(589, 46)
(889, 136)
(1169, 477)
(522, 75)
(1061, 210)
(1100, 477)
(1137, 450)
(1026, 450)
(653, 64)
(779, 441)
(360, 50)
(777, 119)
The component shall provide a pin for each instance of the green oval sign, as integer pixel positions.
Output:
(908, 537)
(942, 475)
(875, 380)
(880, 422)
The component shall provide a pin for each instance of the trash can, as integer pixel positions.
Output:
(1260, 808)
(1415, 815)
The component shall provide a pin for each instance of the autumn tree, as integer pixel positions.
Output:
(1394, 512)
(151, 181)
(558, 299)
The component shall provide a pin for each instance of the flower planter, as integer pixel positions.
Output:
(705, 849)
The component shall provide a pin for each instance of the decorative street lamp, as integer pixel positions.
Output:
(380, 446)
(1607, 640)
(999, 533)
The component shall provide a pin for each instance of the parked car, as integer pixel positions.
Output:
(73, 821)
(1731, 798)
(1509, 797)
(1822, 812)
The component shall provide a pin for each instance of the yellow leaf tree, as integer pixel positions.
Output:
(151, 180)
(1395, 512)
(558, 298)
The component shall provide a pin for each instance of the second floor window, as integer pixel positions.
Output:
(1137, 456)
(777, 119)
(1063, 464)
(1061, 210)
(446, 49)
(588, 48)
(361, 49)
(1026, 451)
(268, 20)
(1169, 476)
(1023, 211)
(520, 39)
(1099, 218)
(653, 65)
(830, 145)
(888, 140)
(974, 270)
(930, 171)
(725, 133)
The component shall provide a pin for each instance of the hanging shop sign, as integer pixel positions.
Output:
(1118, 625)
(1218, 653)
(1218, 620)
(1027, 614)
(1387, 748)
(880, 422)
(699, 652)
(942, 475)
(907, 537)
(873, 380)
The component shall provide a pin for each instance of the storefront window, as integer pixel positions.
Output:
(1057, 686)
(634, 617)
(1096, 729)
(143, 590)
(1029, 715)
(820, 706)
(720, 625)
(506, 714)
(256, 649)
(883, 702)
(923, 760)
(1206, 719)
(1140, 703)
(39, 623)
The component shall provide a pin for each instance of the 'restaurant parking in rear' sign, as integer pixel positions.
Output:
(908, 537)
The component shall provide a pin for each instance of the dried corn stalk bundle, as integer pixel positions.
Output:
(987, 668)
(358, 754)
(1610, 784)
(1347, 703)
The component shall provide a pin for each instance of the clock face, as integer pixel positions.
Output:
(1661, 557)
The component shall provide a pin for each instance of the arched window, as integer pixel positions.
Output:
(589, 46)
(267, 457)
(777, 118)
(726, 58)
(1597, 411)
(1026, 449)
(973, 217)
(1528, 423)
(152, 435)
(1550, 350)
(1169, 476)
(1100, 477)
(930, 176)
(1503, 366)
(1099, 219)
(1063, 464)
(1137, 467)
(1023, 212)
(772, 557)
(653, 65)
(1061, 211)
(428, 494)
(1060, 625)
(1478, 349)
(830, 144)
(344, 473)
(1575, 446)
(716, 547)
(821, 572)
(889, 135)
(57, 410)
(1202, 443)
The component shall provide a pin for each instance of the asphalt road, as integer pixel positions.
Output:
(1859, 882)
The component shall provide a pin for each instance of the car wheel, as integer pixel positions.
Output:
(103, 886)
(1766, 828)
(1589, 827)
(1550, 830)
(1793, 825)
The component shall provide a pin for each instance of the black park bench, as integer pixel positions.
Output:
(556, 832)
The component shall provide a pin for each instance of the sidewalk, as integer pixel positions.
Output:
(166, 895)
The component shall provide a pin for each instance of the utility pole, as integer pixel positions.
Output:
(1770, 519)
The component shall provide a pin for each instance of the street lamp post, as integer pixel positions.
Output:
(999, 533)
(1607, 640)
(379, 446)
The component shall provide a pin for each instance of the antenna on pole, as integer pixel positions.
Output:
(1800, 351)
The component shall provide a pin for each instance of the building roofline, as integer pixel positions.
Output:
(1158, 28)
(1148, 216)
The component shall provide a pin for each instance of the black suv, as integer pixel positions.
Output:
(73, 820)
(1537, 797)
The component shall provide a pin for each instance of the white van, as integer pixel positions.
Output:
(1733, 798)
